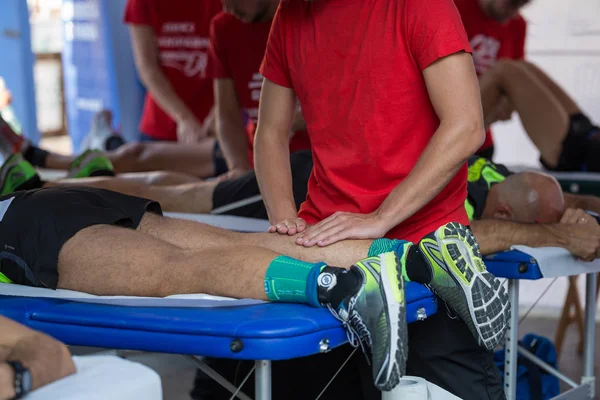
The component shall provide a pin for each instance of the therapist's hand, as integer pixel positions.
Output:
(342, 226)
(289, 226)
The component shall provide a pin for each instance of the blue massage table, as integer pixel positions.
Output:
(264, 332)
(515, 266)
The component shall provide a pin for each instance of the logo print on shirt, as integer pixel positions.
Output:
(255, 86)
(485, 52)
(181, 50)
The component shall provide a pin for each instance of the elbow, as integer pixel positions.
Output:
(472, 136)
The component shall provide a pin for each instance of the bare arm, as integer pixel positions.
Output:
(454, 93)
(497, 235)
(47, 359)
(298, 124)
(272, 151)
(585, 202)
(231, 132)
(146, 60)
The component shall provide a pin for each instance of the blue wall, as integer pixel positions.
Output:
(16, 63)
(99, 71)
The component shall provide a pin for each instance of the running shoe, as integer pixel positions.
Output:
(101, 135)
(462, 281)
(17, 174)
(91, 163)
(375, 317)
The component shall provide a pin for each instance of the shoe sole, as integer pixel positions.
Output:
(482, 303)
(392, 370)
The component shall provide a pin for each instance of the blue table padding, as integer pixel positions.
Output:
(513, 265)
(272, 331)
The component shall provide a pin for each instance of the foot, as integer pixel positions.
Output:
(10, 142)
(91, 163)
(101, 135)
(375, 317)
(462, 281)
(17, 174)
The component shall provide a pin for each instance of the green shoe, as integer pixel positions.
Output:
(18, 174)
(91, 163)
(375, 317)
(462, 281)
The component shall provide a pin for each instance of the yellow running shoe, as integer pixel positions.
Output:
(462, 281)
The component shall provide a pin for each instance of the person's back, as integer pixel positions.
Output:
(369, 117)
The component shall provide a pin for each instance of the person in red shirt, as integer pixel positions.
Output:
(496, 31)
(391, 103)
(170, 41)
(236, 52)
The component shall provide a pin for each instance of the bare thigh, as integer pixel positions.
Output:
(160, 178)
(110, 260)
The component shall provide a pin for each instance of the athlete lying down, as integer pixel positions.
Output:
(501, 210)
(106, 243)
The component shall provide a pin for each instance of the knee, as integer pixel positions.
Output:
(129, 152)
(507, 70)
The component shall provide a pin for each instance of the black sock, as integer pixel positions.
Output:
(417, 269)
(36, 156)
(335, 284)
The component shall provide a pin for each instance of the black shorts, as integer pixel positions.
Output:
(37, 223)
(246, 186)
(488, 152)
(576, 155)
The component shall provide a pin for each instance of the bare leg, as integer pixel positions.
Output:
(564, 99)
(188, 198)
(542, 115)
(141, 265)
(195, 160)
(196, 236)
(160, 178)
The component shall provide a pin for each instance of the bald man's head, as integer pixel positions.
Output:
(526, 197)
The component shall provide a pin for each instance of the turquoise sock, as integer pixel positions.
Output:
(293, 281)
(380, 246)
(383, 245)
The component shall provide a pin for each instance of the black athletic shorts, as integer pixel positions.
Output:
(246, 186)
(35, 224)
(579, 152)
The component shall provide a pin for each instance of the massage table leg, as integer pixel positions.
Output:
(590, 325)
(512, 340)
(263, 380)
(567, 317)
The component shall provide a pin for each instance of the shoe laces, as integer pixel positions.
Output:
(356, 330)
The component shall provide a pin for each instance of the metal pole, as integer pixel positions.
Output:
(546, 367)
(214, 375)
(590, 328)
(512, 339)
(263, 379)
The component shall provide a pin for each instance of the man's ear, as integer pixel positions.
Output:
(504, 212)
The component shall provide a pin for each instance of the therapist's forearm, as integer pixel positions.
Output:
(446, 153)
(273, 171)
(232, 140)
(157, 83)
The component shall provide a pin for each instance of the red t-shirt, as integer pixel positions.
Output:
(182, 33)
(491, 40)
(356, 67)
(236, 52)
